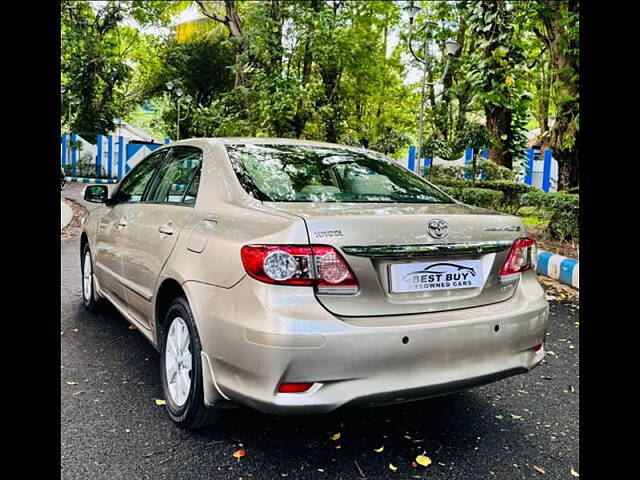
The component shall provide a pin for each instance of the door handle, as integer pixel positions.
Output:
(166, 229)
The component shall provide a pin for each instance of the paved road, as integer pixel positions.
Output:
(65, 214)
(111, 427)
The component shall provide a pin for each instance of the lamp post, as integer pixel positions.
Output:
(177, 92)
(452, 48)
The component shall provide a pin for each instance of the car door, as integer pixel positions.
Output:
(112, 226)
(167, 206)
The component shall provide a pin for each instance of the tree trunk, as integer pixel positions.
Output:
(235, 31)
(498, 117)
(234, 25)
(568, 171)
(563, 136)
(499, 124)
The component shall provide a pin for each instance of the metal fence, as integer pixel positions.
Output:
(538, 168)
(111, 158)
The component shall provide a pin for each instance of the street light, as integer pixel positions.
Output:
(178, 93)
(452, 48)
(412, 11)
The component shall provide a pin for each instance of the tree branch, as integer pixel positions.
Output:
(205, 11)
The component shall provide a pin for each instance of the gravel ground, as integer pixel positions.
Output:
(112, 428)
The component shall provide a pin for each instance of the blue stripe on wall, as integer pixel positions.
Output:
(74, 152)
(411, 165)
(483, 172)
(528, 167)
(427, 164)
(109, 155)
(64, 150)
(120, 156)
(546, 172)
(543, 262)
(468, 159)
(566, 270)
(100, 143)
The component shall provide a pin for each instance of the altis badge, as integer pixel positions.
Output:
(508, 228)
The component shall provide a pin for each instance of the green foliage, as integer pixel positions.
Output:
(493, 170)
(511, 192)
(564, 211)
(497, 172)
(533, 221)
(479, 197)
(97, 62)
(325, 70)
(497, 67)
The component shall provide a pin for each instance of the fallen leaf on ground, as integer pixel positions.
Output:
(321, 469)
(131, 327)
(538, 469)
(516, 417)
(335, 436)
(499, 417)
(239, 453)
(338, 447)
(574, 473)
(72, 383)
(423, 460)
(414, 464)
(160, 402)
(392, 467)
(378, 450)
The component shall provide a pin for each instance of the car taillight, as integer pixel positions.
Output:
(520, 257)
(294, 387)
(320, 266)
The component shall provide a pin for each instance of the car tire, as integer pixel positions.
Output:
(181, 369)
(90, 299)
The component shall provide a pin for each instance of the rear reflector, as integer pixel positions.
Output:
(537, 347)
(294, 387)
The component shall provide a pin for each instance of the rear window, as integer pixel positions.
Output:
(302, 173)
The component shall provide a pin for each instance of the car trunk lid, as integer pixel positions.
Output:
(400, 268)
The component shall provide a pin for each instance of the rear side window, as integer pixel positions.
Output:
(134, 184)
(178, 178)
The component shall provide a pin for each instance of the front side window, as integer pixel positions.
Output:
(176, 177)
(302, 173)
(134, 184)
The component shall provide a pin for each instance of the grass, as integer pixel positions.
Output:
(534, 222)
(534, 217)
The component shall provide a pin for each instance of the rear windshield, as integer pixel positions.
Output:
(302, 173)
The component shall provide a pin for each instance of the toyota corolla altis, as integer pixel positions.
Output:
(299, 277)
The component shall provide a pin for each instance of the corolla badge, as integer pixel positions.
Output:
(438, 228)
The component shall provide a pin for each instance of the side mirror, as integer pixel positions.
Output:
(96, 193)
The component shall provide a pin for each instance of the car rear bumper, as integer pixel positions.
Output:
(274, 336)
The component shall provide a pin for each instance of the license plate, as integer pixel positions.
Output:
(429, 276)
